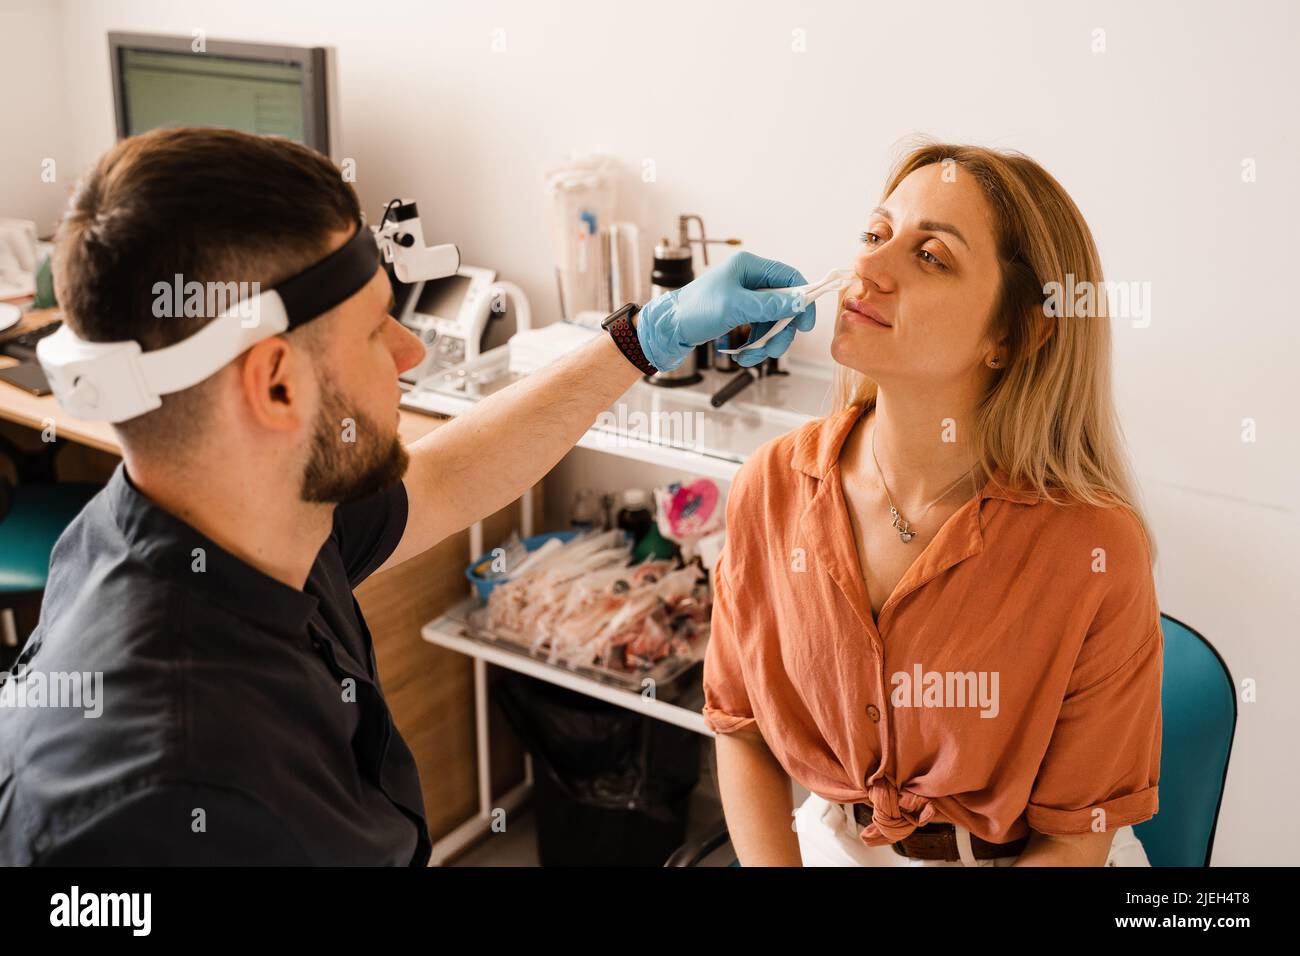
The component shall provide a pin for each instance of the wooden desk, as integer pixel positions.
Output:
(429, 689)
(23, 408)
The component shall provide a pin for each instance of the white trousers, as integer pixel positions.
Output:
(828, 836)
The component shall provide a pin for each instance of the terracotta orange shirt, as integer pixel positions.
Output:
(1014, 680)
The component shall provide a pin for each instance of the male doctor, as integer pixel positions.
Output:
(211, 581)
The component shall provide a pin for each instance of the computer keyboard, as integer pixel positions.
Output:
(23, 347)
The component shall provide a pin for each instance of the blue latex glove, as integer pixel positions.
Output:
(673, 324)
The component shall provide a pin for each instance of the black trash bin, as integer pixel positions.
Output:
(611, 786)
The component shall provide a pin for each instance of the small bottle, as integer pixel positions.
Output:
(586, 512)
(634, 515)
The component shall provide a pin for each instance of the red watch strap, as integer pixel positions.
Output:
(625, 337)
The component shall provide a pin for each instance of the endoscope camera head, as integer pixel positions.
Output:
(401, 240)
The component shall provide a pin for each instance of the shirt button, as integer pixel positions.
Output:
(873, 712)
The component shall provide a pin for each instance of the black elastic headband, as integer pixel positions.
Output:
(336, 278)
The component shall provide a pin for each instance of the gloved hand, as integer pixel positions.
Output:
(674, 323)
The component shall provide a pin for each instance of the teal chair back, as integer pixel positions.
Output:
(1198, 718)
(33, 514)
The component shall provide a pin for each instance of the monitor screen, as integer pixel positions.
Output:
(253, 87)
(178, 89)
(443, 297)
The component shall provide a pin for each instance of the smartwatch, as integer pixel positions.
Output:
(619, 325)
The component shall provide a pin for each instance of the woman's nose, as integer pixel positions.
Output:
(873, 268)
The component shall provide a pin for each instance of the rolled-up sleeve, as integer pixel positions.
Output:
(726, 700)
(1104, 751)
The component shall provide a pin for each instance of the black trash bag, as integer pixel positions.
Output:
(612, 786)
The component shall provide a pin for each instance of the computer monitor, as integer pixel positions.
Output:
(254, 87)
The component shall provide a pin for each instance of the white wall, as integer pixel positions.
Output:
(32, 129)
(788, 150)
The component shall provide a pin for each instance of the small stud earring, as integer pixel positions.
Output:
(993, 362)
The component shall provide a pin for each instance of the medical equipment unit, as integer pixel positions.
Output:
(706, 356)
(116, 381)
(673, 268)
(453, 316)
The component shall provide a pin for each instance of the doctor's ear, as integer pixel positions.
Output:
(273, 381)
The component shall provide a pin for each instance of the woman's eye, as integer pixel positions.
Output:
(933, 258)
(871, 239)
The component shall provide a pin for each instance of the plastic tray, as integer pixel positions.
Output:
(661, 674)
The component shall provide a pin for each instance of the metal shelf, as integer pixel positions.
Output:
(450, 631)
(673, 427)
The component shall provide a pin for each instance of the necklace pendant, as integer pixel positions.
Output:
(900, 524)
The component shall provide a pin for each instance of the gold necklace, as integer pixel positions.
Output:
(901, 524)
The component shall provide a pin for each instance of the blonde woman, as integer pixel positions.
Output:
(936, 609)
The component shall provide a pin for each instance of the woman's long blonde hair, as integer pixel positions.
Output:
(1048, 417)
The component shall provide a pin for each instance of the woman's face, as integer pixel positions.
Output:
(928, 270)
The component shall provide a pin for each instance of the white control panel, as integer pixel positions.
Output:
(450, 316)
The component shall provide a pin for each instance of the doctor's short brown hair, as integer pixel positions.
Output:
(209, 205)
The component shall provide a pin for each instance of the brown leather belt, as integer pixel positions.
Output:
(938, 841)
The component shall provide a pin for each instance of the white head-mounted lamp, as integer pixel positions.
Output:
(117, 381)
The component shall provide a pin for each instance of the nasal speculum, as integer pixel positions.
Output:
(835, 280)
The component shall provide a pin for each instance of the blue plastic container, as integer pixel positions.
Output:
(485, 585)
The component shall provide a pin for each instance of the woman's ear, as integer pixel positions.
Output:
(1038, 329)
(1041, 327)
(996, 353)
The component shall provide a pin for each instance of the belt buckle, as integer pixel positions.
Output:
(862, 817)
(934, 841)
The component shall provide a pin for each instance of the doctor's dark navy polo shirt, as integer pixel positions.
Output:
(242, 720)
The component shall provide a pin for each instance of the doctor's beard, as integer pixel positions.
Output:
(338, 470)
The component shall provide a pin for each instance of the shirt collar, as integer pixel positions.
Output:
(817, 449)
(167, 545)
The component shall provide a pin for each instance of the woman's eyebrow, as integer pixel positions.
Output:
(927, 224)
